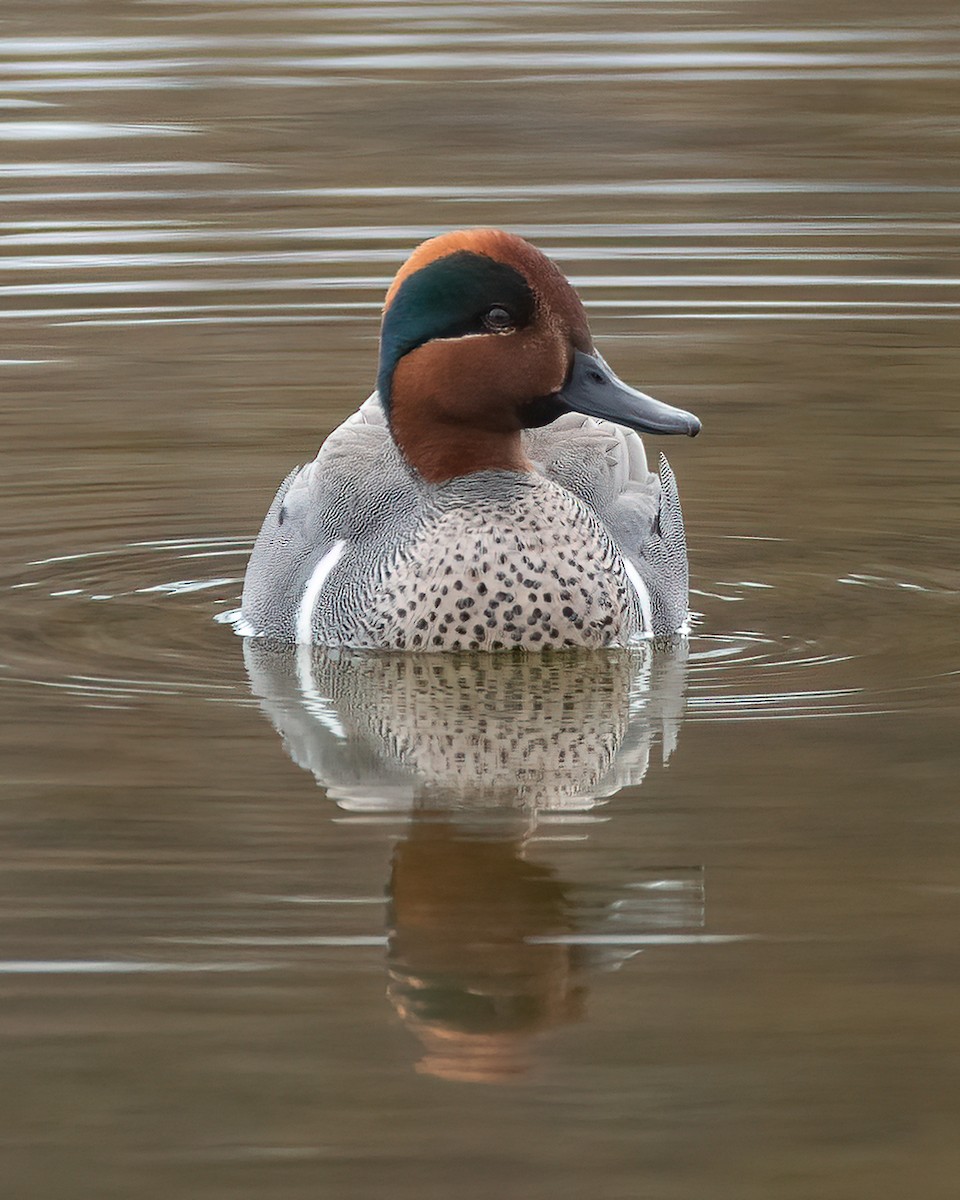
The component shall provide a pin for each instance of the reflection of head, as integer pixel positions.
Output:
(471, 1058)
(465, 973)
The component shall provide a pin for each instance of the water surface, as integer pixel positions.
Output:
(659, 924)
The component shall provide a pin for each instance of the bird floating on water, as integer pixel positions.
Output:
(492, 493)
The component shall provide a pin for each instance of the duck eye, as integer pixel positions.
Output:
(498, 319)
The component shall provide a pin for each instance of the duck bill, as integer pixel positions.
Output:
(594, 390)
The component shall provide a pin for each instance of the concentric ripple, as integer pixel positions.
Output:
(115, 625)
(815, 642)
(122, 623)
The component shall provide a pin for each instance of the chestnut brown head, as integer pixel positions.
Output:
(483, 337)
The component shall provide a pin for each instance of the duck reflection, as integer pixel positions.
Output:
(488, 757)
(468, 973)
(530, 732)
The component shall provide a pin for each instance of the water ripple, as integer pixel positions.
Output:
(165, 592)
(868, 280)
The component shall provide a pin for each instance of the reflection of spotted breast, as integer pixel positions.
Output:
(502, 560)
(541, 728)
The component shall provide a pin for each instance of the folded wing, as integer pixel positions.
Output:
(605, 465)
(357, 483)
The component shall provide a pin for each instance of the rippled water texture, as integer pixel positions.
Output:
(660, 924)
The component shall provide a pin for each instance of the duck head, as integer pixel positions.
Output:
(483, 337)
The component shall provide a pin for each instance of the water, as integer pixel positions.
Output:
(663, 924)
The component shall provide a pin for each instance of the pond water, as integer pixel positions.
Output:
(288, 924)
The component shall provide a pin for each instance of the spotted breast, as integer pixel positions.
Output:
(495, 561)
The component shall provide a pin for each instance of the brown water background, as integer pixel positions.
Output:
(737, 974)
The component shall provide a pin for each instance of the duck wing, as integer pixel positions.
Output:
(357, 482)
(605, 465)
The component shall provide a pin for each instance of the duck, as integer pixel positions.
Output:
(493, 492)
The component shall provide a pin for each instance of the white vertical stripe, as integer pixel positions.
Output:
(642, 595)
(317, 705)
(311, 593)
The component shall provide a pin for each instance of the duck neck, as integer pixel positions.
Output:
(438, 451)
